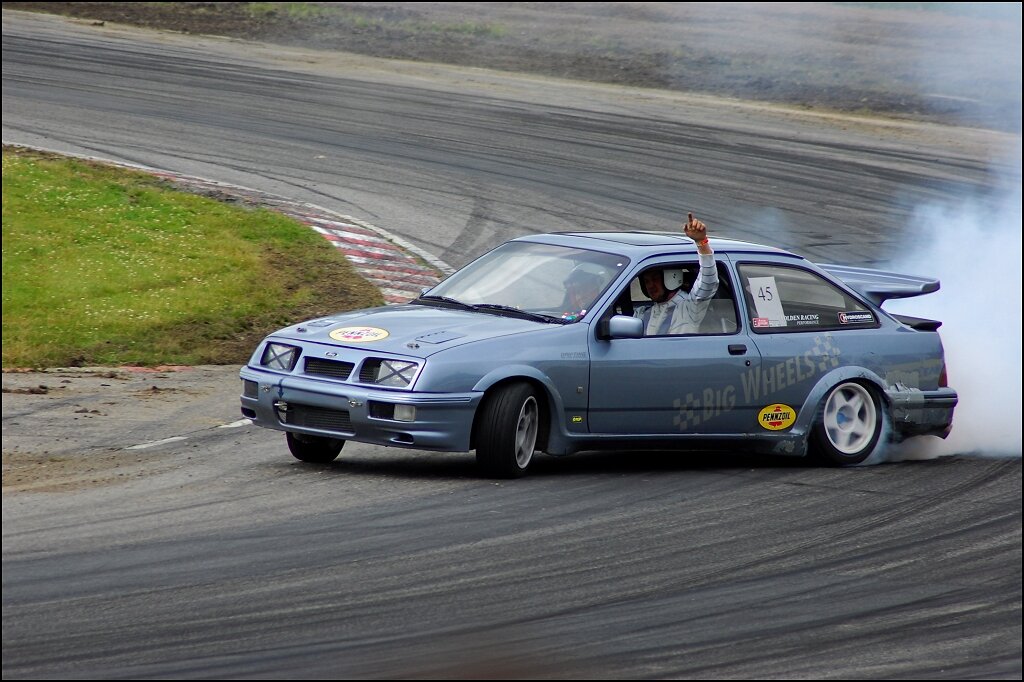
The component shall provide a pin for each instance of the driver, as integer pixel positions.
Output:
(676, 311)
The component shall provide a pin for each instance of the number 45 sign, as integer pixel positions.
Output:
(767, 301)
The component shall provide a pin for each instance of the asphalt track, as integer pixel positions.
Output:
(232, 561)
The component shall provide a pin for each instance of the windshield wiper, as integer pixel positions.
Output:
(540, 317)
(491, 307)
(446, 299)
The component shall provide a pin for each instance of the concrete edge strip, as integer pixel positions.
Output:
(155, 443)
(395, 239)
(177, 439)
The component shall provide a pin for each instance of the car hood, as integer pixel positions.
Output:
(413, 330)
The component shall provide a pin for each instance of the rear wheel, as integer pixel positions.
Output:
(314, 448)
(848, 426)
(506, 431)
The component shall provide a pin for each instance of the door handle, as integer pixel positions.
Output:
(737, 349)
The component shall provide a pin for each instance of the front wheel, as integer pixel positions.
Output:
(506, 431)
(316, 449)
(848, 426)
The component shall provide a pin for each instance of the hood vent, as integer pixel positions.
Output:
(439, 337)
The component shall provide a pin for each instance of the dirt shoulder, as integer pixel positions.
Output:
(58, 423)
(954, 64)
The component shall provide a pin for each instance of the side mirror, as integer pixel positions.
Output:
(621, 327)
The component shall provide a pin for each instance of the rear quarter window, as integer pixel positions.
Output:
(783, 298)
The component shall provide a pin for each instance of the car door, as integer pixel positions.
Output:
(673, 384)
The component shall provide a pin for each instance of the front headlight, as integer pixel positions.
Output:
(393, 373)
(280, 356)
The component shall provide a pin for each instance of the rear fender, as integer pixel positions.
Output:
(809, 411)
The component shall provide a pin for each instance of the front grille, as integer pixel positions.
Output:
(318, 418)
(368, 372)
(328, 368)
(250, 389)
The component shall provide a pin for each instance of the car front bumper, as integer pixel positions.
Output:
(333, 409)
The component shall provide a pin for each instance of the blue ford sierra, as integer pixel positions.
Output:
(540, 346)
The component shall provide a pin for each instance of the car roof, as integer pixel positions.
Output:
(640, 243)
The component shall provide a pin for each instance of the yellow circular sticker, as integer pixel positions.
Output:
(777, 417)
(358, 334)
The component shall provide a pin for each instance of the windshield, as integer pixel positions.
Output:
(556, 281)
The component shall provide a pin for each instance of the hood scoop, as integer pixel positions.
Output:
(303, 328)
(439, 337)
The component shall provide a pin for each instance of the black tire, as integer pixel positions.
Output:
(314, 448)
(848, 425)
(506, 431)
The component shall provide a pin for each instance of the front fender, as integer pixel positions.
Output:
(557, 438)
(506, 372)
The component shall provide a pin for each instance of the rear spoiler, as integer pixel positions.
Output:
(919, 323)
(879, 286)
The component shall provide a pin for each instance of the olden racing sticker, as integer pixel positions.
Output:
(776, 417)
(358, 334)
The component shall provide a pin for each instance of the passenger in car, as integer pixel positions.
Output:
(675, 311)
(582, 287)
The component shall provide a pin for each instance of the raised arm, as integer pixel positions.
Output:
(707, 280)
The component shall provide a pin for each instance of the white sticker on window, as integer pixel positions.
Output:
(766, 299)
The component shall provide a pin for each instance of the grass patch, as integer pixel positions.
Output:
(470, 28)
(300, 11)
(105, 266)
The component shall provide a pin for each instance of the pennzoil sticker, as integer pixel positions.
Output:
(776, 417)
(358, 334)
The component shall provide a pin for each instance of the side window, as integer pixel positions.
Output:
(785, 298)
(686, 310)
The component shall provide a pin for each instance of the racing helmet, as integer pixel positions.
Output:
(672, 278)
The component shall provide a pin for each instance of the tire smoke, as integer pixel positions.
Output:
(973, 247)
